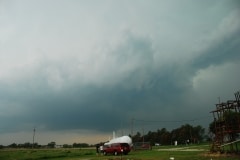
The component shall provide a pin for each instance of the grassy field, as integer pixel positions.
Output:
(195, 152)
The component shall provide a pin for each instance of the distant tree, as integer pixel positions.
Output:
(184, 134)
(27, 145)
(80, 145)
(211, 127)
(67, 146)
(165, 136)
(13, 145)
(160, 136)
(188, 133)
(197, 134)
(51, 144)
(151, 137)
(137, 137)
(230, 119)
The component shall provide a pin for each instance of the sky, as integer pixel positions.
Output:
(78, 70)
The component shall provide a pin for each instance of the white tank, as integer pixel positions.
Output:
(123, 139)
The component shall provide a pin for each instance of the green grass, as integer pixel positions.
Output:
(157, 153)
(42, 154)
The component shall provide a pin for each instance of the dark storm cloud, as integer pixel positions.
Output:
(156, 61)
(141, 87)
(225, 47)
(88, 107)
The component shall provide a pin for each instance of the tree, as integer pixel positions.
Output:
(231, 121)
(151, 137)
(163, 137)
(13, 145)
(184, 134)
(67, 146)
(197, 134)
(80, 145)
(51, 144)
(137, 137)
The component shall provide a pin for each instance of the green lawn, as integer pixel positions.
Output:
(196, 152)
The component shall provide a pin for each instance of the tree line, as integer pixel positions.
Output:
(49, 145)
(183, 135)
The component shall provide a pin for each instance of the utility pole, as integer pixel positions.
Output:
(132, 123)
(34, 130)
(143, 134)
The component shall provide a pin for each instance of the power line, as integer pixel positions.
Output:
(173, 121)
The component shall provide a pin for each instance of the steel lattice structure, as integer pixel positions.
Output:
(227, 125)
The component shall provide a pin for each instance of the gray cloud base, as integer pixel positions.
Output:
(145, 64)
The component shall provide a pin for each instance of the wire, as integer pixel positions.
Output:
(175, 121)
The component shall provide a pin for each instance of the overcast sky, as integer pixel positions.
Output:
(78, 70)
